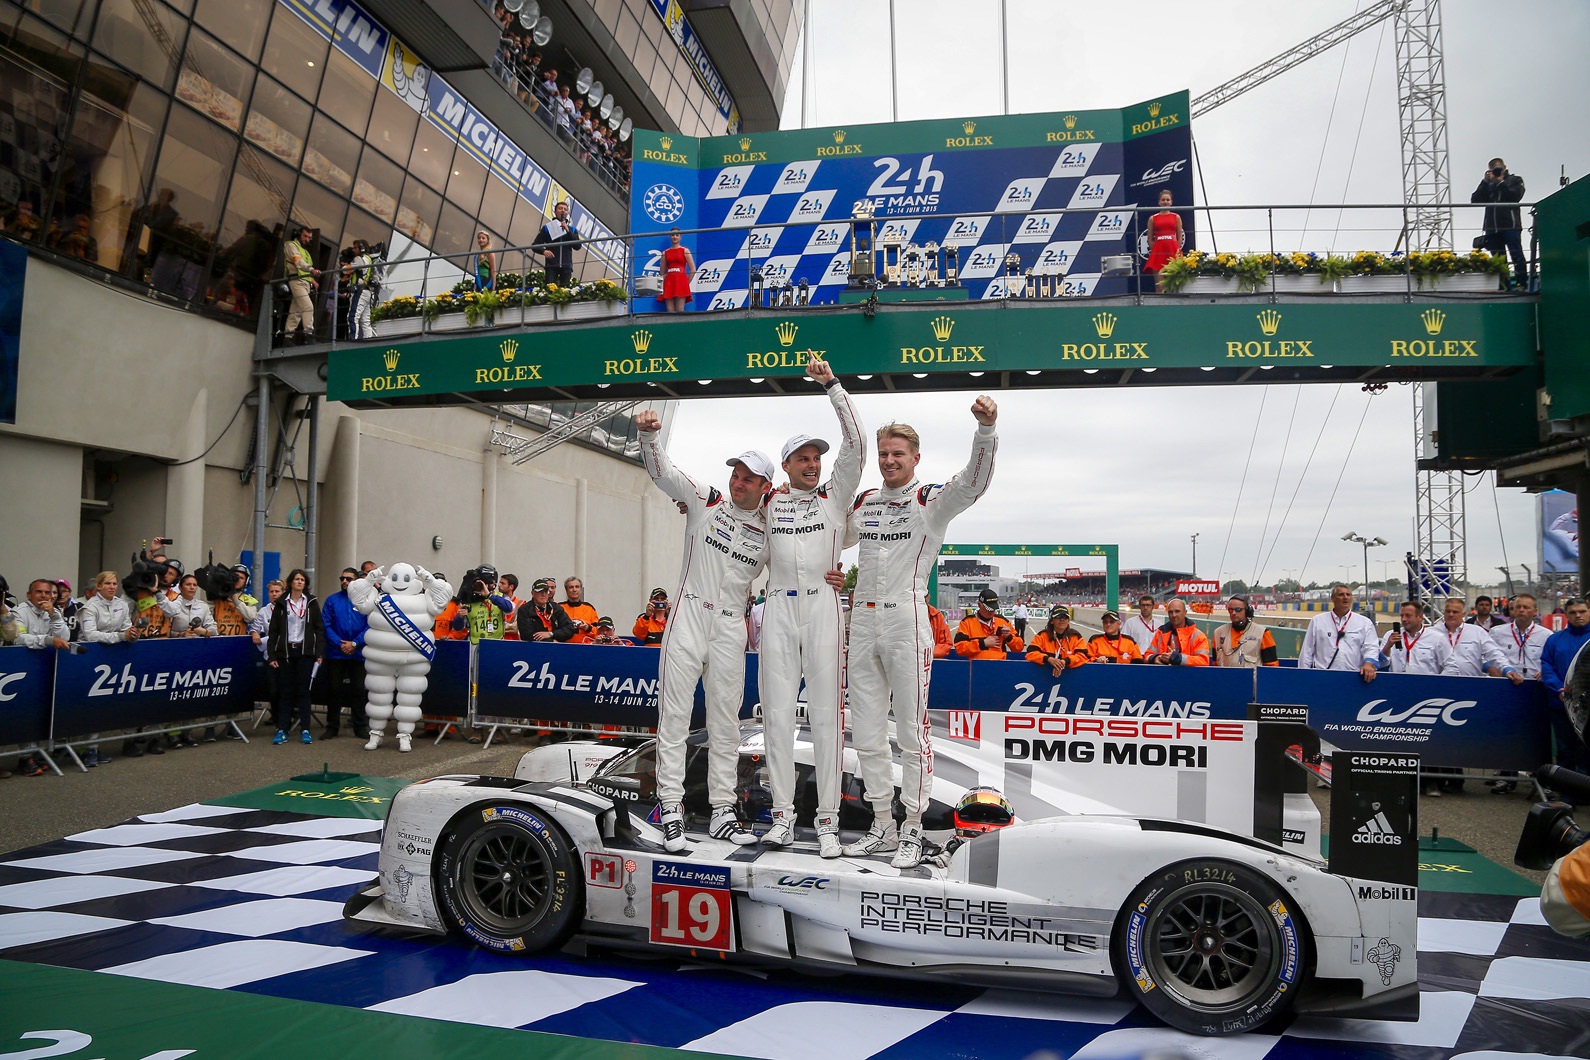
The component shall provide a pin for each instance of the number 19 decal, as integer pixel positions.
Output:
(691, 906)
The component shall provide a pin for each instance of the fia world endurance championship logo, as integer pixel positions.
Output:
(663, 203)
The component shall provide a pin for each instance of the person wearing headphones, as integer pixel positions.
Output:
(1243, 642)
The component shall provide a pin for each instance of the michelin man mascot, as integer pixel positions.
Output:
(399, 646)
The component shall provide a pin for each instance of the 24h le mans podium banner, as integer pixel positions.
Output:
(993, 174)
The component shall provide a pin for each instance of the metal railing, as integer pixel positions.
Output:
(436, 293)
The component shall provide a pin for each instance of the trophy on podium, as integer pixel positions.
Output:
(863, 232)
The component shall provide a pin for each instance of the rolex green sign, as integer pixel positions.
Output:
(950, 346)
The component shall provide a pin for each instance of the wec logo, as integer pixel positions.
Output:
(805, 883)
(1426, 712)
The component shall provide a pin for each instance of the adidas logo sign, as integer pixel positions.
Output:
(1377, 830)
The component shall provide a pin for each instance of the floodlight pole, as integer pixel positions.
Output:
(1004, 60)
(807, 64)
(894, 71)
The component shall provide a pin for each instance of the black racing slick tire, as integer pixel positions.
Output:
(1211, 947)
(508, 879)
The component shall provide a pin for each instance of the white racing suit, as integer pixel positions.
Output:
(802, 627)
(725, 548)
(891, 642)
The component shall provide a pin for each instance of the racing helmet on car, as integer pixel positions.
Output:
(982, 809)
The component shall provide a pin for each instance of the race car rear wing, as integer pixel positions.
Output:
(1374, 813)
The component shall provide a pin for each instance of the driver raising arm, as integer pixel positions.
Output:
(725, 548)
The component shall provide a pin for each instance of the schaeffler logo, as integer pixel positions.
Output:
(1425, 713)
(1377, 831)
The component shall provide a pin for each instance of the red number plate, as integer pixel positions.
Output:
(686, 913)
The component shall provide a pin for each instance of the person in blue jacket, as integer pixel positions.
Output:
(1555, 659)
(345, 628)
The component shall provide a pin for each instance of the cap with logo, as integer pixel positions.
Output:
(659, 593)
(988, 596)
(1059, 611)
(800, 440)
(542, 585)
(604, 621)
(1110, 616)
(755, 461)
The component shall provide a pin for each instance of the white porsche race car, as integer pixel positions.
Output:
(1213, 933)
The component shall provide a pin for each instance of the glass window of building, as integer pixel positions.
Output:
(240, 23)
(392, 126)
(432, 157)
(332, 156)
(379, 185)
(417, 212)
(278, 121)
(628, 31)
(112, 151)
(321, 210)
(372, 230)
(196, 160)
(72, 16)
(214, 80)
(346, 93)
(496, 210)
(467, 182)
(295, 54)
(455, 234)
(124, 34)
(251, 227)
(526, 224)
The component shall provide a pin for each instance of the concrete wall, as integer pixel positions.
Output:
(114, 382)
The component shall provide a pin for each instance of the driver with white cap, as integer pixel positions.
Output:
(802, 626)
(725, 548)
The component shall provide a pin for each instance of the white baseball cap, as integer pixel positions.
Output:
(800, 440)
(755, 461)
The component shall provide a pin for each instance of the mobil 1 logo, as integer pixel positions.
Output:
(1375, 816)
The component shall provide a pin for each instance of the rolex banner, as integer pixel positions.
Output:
(786, 200)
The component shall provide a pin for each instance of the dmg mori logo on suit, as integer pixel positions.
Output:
(1269, 325)
(943, 327)
(385, 384)
(1433, 321)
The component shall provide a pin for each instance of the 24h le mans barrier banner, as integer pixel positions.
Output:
(943, 339)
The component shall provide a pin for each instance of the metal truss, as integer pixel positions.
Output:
(1439, 511)
(523, 448)
(1421, 106)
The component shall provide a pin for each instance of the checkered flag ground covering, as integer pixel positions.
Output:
(250, 900)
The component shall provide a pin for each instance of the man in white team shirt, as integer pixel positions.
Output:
(725, 549)
(1141, 627)
(1474, 652)
(1340, 639)
(901, 528)
(1521, 641)
(802, 625)
(1415, 648)
(1522, 638)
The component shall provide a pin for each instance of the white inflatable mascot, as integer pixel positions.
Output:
(399, 646)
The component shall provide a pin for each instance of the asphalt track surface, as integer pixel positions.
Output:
(36, 810)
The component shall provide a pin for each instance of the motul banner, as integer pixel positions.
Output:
(1188, 587)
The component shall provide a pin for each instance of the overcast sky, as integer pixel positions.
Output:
(1149, 467)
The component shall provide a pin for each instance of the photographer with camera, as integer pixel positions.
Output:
(652, 622)
(985, 633)
(1504, 229)
(481, 612)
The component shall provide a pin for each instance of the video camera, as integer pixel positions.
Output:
(477, 584)
(146, 575)
(218, 581)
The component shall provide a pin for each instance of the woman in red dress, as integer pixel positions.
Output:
(1165, 230)
(678, 267)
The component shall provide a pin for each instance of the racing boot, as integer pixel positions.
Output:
(882, 837)
(781, 833)
(828, 837)
(404, 743)
(727, 826)
(909, 853)
(673, 826)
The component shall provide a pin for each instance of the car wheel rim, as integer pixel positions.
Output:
(505, 879)
(1213, 946)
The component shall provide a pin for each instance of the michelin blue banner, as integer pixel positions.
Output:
(106, 687)
(26, 679)
(447, 687)
(13, 281)
(695, 53)
(593, 683)
(348, 26)
(1478, 722)
(782, 203)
